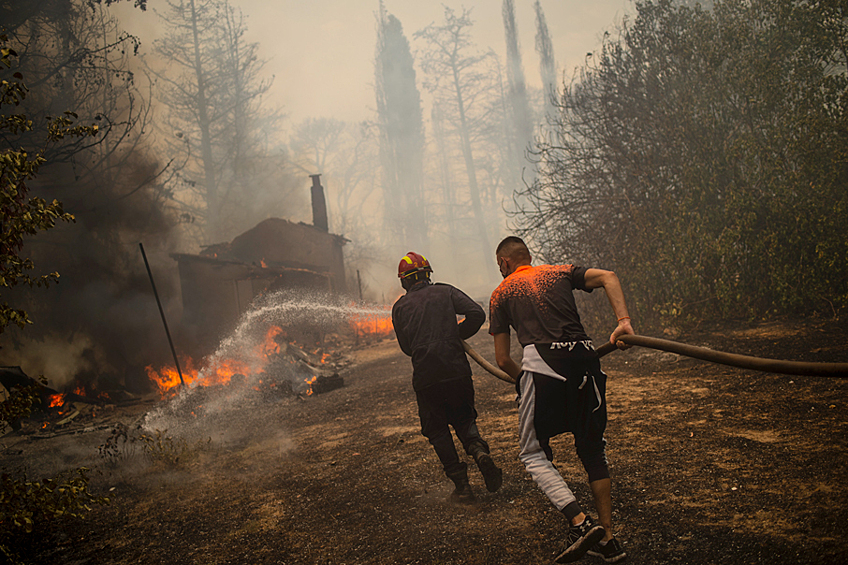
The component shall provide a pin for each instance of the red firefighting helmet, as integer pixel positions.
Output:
(412, 263)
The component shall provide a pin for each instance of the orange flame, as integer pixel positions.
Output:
(310, 382)
(167, 379)
(378, 325)
(269, 345)
(57, 400)
(224, 371)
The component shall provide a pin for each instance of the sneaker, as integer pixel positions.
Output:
(611, 552)
(492, 474)
(580, 539)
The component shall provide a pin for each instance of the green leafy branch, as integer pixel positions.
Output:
(22, 215)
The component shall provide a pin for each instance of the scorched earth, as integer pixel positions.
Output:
(710, 464)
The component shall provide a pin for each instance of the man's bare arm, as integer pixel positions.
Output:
(502, 357)
(596, 278)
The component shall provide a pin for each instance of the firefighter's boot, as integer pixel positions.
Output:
(462, 493)
(492, 474)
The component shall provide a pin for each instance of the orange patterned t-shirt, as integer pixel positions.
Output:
(539, 303)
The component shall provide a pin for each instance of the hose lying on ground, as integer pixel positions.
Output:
(838, 370)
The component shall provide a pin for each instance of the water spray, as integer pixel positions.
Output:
(247, 351)
(287, 309)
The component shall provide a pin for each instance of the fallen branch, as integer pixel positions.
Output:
(69, 432)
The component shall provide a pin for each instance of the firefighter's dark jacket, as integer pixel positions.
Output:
(425, 324)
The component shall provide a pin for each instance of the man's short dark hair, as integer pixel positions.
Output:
(513, 247)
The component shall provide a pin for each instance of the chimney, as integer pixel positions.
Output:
(319, 205)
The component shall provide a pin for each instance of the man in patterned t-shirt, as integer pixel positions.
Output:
(560, 384)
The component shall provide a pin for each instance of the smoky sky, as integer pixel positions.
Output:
(321, 52)
(321, 56)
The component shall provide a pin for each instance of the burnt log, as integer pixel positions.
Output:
(325, 384)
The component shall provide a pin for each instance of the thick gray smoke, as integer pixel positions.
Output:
(99, 326)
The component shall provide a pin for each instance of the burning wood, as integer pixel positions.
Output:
(60, 409)
(55, 409)
(274, 363)
(262, 360)
(326, 384)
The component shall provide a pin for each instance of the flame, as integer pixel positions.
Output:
(378, 325)
(263, 263)
(269, 345)
(57, 400)
(219, 373)
(168, 378)
(216, 372)
(310, 382)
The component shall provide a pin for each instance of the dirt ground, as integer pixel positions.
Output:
(710, 464)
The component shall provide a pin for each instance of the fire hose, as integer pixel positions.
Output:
(838, 370)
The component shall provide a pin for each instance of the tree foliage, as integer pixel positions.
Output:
(22, 215)
(703, 155)
(547, 61)
(521, 129)
(25, 503)
(74, 55)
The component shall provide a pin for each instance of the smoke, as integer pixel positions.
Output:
(63, 357)
(99, 325)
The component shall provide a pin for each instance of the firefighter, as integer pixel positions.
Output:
(425, 322)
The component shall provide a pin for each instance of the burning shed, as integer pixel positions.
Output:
(219, 283)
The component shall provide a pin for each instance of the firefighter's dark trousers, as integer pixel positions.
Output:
(450, 403)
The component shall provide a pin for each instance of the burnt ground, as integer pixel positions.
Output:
(710, 464)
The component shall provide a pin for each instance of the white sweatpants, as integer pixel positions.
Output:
(531, 453)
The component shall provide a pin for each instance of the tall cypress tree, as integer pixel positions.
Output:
(521, 115)
(547, 63)
(401, 129)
